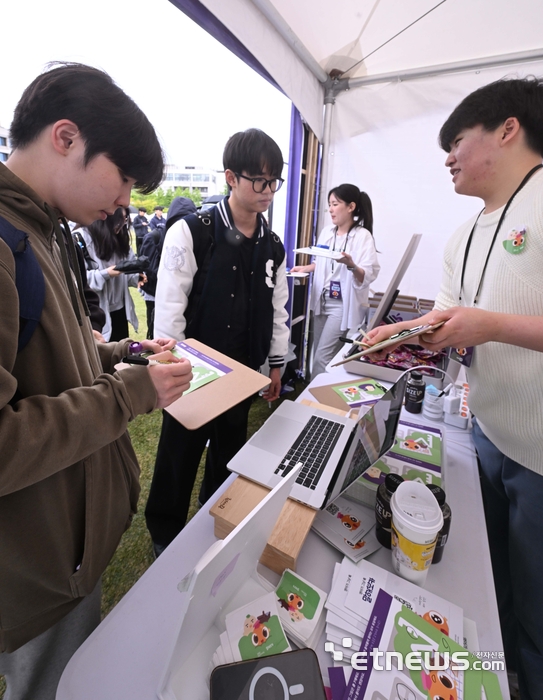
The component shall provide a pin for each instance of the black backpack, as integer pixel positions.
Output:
(202, 242)
(29, 280)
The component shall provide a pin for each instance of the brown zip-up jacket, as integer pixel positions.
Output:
(68, 473)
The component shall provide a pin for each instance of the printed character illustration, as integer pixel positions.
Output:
(351, 391)
(349, 521)
(355, 545)
(255, 627)
(419, 445)
(368, 387)
(440, 685)
(515, 241)
(293, 604)
(437, 620)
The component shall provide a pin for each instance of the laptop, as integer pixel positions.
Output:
(333, 450)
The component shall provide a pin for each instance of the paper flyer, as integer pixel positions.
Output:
(444, 669)
(300, 604)
(255, 630)
(410, 469)
(349, 527)
(204, 368)
(418, 444)
(367, 580)
(356, 393)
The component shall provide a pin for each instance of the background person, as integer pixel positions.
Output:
(158, 222)
(152, 248)
(491, 297)
(226, 287)
(141, 227)
(340, 290)
(108, 243)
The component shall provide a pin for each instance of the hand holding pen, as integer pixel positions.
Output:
(170, 375)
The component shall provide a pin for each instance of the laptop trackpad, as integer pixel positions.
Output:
(278, 436)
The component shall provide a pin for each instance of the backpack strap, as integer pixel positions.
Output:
(90, 262)
(29, 280)
(203, 242)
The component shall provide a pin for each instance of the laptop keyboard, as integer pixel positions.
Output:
(312, 448)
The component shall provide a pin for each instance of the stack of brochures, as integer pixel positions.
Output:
(293, 610)
(301, 609)
(252, 632)
(417, 455)
(371, 609)
(349, 527)
(353, 594)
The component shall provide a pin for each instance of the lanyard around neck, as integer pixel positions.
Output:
(498, 227)
(344, 245)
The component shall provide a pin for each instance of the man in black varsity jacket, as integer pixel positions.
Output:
(227, 288)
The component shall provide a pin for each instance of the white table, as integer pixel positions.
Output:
(126, 655)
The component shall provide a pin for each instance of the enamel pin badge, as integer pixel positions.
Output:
(516, 240)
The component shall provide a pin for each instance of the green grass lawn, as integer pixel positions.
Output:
(134, 554)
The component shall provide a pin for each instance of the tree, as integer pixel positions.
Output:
(163, 198)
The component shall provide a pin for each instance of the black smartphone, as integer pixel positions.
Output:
(293, 675)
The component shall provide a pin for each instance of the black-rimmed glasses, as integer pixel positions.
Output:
(260, 183)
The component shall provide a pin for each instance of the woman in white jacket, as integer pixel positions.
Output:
(108, 243)
(339, 295)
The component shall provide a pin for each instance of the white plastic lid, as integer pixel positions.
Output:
(414, 507)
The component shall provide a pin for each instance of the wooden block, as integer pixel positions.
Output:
(288, 535)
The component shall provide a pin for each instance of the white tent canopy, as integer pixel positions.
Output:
(402, 66)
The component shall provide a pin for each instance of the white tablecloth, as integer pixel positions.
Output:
(125, 657)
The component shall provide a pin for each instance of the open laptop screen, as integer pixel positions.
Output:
(373, 437)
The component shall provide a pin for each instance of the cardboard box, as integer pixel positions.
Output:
(289, 534)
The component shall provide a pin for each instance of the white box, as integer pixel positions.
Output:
(224, 579)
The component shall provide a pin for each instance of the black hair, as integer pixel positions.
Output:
(491, 105)
(112, 235)
(109, 121)
(363, 211)
(253, 151)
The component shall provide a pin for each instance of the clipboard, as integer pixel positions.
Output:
(401, 337)
(209, 401)
(320, 252)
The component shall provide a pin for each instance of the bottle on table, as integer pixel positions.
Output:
(443, 534)
(383, 514)
(414, 392)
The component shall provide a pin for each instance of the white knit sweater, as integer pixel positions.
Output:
(506, 382)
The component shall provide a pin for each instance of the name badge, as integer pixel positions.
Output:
(335, 290)
(462, 355)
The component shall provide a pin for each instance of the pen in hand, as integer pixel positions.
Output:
(139, 360)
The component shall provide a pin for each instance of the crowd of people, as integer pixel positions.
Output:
(69, 477)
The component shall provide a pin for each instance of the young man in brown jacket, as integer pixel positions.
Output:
(68, 473)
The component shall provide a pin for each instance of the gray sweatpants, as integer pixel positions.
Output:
(326, 333)
(33, 671)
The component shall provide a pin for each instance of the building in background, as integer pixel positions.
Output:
(5, 149)
(205, 180)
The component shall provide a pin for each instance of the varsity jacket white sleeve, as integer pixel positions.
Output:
(175, 277)
(279, 341)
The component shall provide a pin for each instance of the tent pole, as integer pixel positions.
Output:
(444, 68)
(329, 102)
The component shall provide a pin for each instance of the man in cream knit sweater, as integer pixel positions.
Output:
(492, 297)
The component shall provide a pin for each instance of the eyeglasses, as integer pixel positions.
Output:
(260, 183)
